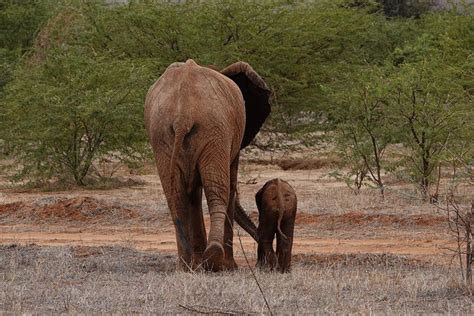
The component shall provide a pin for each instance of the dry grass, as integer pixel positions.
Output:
(296, 163)
(120, 280)
(331, 273)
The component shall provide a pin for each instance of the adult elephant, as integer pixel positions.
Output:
(197, 121)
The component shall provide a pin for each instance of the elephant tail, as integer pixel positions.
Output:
(281, 212)
(180, 132)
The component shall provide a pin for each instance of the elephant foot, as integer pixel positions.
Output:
(230, 264)
(284, 269)
(267, 263)
(196, 262)
(213, 257)
(193, 265)
(182, 266)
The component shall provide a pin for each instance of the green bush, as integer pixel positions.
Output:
(20, 20)
(74, 90)
(71, 110)
(363, 127)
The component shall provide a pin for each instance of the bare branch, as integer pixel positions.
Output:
(253, 274)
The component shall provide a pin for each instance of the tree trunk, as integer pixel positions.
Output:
(425, 181)
(469, 249)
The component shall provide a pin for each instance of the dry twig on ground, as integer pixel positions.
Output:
(461, 222)
(253, 274)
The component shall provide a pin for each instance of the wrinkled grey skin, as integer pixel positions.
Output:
(277, 204)
(196, 122)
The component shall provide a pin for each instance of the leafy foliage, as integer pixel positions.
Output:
(363, 127)
(72, 110)
(429, 113)
(76, 94)
(432, 95)
(19, 23)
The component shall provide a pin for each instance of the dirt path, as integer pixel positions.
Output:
(165, 242)
(330, 220)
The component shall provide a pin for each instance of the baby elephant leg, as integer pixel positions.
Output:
(285, 245)
(266, 257)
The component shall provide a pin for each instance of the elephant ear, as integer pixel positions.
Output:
(256, 96)
(258, 199)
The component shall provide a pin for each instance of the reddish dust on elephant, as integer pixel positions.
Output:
(198, 119)
(276, 203)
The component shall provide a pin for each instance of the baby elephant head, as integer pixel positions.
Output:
(276, 203)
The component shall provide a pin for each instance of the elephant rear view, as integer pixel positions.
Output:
(277, 204)
(197, 120)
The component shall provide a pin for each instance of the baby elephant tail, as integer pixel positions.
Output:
(281, 212)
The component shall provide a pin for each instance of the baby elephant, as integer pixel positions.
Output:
(276, 203)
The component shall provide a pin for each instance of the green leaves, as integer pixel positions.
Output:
(76, 74)
(71, 110)
(429, 105)
(19, 23)
(421, 98)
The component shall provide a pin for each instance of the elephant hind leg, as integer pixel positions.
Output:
(215, 176)
(190, 230)
(183, 233)
(180, 214)
(197, 228)
(267, 228)
(285, 245)
(213, 257)
(266, 258)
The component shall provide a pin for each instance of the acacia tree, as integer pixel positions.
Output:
(68, 105)
(428, 110)
(301, 48)
(70, 110)
(431, 95)
(363, 128)
(305, 51)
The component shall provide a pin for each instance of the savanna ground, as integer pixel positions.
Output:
(93, 251)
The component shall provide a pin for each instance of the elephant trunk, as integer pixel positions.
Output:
(243, 219)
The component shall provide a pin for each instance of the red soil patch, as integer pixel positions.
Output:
(81, 209)
(90, 210)
(363, 219)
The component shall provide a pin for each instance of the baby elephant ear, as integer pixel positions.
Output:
(256, 95)
(258, 199)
